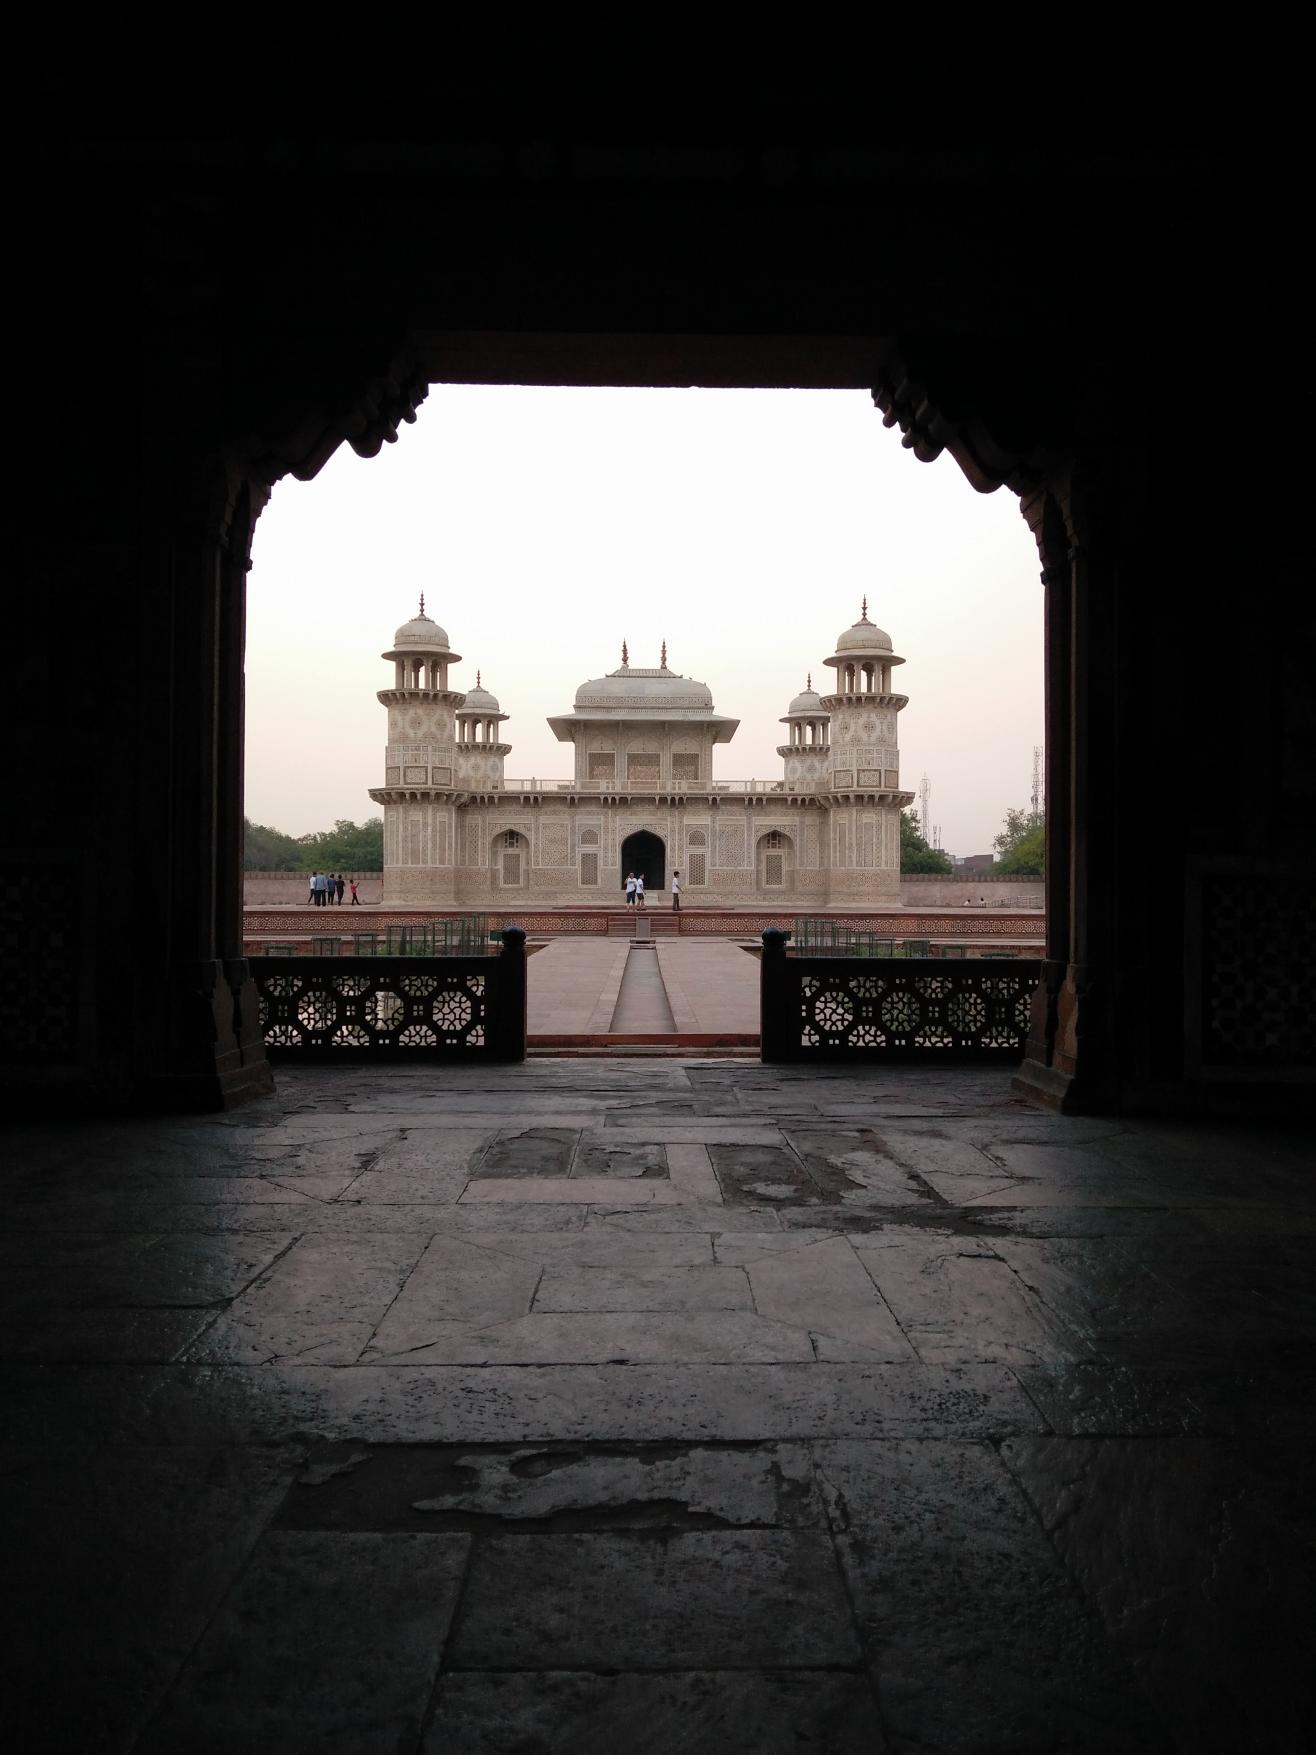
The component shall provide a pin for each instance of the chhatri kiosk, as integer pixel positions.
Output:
(642, 796)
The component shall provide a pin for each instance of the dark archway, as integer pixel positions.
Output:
(646, 856)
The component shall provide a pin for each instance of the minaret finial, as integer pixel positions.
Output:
(477, 679)
(808, 681)
(422, 603)
(662, 662)
(864, 616)
(625, 655)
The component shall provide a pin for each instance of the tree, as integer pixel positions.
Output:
(348, 846)
(1021, 845)
(915, 854)
(265, 849)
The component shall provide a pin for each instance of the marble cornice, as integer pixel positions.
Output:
(410, 794)
(832, 702)
(865, 795)
(421, 697)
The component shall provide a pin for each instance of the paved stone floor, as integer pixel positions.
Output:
(626, 1405)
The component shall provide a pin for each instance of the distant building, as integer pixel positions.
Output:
(642, 796)
(980, 863)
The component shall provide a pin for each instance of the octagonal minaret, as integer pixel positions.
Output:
(419, 766)
(863, 767)
(804, 753)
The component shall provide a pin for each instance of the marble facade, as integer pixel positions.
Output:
(458, 832)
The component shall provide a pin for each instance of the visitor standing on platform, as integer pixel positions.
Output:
(630, 889)
(340, 884)
(356, 900)
(310, 892)
(639, 891)
(676, 891)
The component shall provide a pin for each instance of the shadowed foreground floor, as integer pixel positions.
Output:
(636, 1406)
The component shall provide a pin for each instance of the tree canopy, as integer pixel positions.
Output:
(265, 849)
(915, 854)
(348, 846)
(1021, 845)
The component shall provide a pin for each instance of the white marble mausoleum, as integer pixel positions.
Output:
(642, 795)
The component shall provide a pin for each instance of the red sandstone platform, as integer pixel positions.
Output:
(1001, 927)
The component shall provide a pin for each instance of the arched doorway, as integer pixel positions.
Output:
(775, 861)
(646, 856)
(512, 860)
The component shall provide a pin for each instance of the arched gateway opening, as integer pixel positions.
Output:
(645, 855)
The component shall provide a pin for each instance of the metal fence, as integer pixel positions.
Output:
(833, 1007)
(815, 935)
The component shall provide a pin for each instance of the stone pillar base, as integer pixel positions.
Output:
(215, 1055)
(1048, 1086)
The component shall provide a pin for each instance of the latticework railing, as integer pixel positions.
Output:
(910, 1009)
(395, 1007)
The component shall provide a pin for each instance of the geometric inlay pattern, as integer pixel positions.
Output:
(40, 933)
(376, 1007)
(915, 1009)
(1258, 971)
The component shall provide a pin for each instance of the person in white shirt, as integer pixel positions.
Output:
(639, 891)
(630, 889)
(676, 891)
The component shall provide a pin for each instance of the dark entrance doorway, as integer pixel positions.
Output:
(646, 856)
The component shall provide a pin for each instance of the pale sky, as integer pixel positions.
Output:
(545, 526)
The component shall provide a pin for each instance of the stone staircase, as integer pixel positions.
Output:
(643, 923)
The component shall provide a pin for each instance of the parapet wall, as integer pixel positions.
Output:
(285, 889)
(934, 891)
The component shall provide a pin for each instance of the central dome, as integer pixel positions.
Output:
(644, 696)
(636, 687)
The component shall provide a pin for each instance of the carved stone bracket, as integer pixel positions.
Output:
(367, 423)
(906, 400)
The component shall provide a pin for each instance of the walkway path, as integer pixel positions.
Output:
(634, 1405)
(572, 986)
(700, 987)
(712, 986)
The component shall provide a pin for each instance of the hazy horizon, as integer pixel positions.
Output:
(544, 526)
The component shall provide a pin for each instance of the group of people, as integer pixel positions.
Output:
(635, 890)
(327, 889)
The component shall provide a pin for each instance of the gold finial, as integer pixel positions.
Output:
(662, 662)
(625, 655)
(422, 603)
(864, 615)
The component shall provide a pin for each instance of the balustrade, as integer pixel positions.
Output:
(395, 1007)
(837, 1006)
